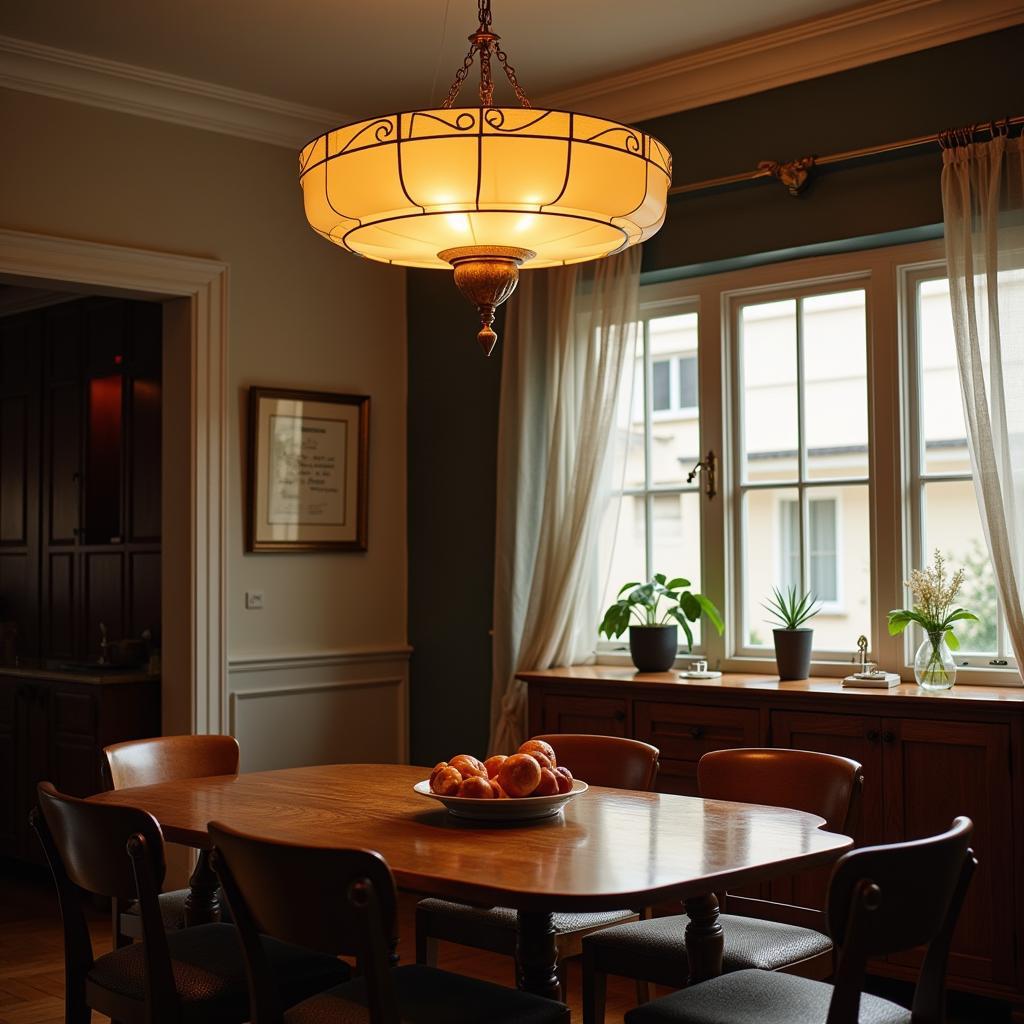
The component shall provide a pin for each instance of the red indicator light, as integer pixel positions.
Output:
(118, 360)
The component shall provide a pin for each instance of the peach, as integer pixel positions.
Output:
(493, 764)
(498, 791)
(564, 779)
(476, 788)
(437, 768)
(519, 775)
(467, 765)
(446, 782)
(539, 747)
(548, 785)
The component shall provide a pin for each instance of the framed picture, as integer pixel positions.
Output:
(308, 467)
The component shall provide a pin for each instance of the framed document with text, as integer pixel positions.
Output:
(308, 466)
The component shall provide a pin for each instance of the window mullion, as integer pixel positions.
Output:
(648, 418)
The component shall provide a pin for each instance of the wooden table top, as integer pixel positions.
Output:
(610, 848)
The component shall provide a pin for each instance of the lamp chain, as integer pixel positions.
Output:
(485, 42)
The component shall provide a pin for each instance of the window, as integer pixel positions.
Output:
(823, 550)
(944, 508)
(800, 460)
(829, 394)
(674, 384)
(656, 526)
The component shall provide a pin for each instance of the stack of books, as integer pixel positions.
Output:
(877, 679)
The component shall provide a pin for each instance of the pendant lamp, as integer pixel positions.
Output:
(485, 190)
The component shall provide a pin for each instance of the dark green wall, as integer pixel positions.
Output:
(453, 389)
(452, 443)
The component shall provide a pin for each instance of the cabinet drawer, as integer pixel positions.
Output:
(598, 716)
(685, 732)
(74, 713)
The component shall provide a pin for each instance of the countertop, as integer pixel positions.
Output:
(111, 676)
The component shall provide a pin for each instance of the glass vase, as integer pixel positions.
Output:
(934, 667)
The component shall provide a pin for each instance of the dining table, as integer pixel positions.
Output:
(607, 849)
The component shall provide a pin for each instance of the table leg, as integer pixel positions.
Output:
(202, 905)
(704, 940)
(537, 954)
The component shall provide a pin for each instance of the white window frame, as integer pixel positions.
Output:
(911, 277)
(615, 652)
(883, 273)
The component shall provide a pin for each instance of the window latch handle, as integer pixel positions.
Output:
(709, 464)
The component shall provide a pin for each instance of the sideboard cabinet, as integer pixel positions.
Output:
(53, 727)
(926, 757)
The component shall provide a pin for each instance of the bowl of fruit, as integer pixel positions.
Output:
(525, 786)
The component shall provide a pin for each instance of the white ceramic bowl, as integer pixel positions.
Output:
(526, 808)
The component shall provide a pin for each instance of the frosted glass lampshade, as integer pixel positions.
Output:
(563, 186)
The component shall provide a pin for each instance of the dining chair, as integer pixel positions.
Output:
(599, 761)
(192, 976)
(881, 900)
(350, 910)
(164, 759)
(769, 935)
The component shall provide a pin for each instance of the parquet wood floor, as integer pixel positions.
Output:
(32, 970)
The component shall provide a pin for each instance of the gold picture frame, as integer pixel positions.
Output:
(308, 471)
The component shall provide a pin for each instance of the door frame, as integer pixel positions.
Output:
(201, 649)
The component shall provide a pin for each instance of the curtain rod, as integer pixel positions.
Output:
(795, 174)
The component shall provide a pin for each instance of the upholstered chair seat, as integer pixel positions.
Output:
(426, 995)
(656, 949)
(208, 969)
(755, 997)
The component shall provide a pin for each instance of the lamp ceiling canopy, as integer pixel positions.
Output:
(485, 189)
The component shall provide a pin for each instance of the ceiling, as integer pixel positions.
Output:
(365, 57)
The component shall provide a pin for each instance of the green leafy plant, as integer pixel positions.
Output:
(790, 608)
(644, 604)
(933, 610)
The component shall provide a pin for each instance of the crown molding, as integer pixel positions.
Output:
(129, 89)
(820, 46)
(809, 49)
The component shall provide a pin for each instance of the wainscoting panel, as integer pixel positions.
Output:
(324, 708)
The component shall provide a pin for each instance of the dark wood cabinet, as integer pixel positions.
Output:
(80, 400)
(53, 727)
(927, 758)
(597, 716)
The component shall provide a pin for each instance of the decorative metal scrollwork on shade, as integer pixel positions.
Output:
(485, 189)
(403, 188)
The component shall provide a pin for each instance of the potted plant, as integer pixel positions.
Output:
(933, 611)
(793, 640)
(659, 607)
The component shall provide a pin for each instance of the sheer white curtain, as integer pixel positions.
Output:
(567, 339)
(983, 206)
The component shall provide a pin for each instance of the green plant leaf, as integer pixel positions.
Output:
(677, 614)
(713, 614)
(961, 615)
(677, 583)
(660, 577)
(689, 605)
(627, 586)
(951, 640)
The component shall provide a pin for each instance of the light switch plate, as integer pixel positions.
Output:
(254, 600)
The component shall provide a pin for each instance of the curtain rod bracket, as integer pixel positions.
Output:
(794, 175)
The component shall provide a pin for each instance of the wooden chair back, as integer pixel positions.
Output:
(111, 851)
(353, 912)
(804, 780)
(612, 761)
(885, 899)
(168, 758)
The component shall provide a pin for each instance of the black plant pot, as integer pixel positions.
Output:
(653, 647)
(793, 652)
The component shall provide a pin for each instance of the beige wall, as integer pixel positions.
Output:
(302, 314)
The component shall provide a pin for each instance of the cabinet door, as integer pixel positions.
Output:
(684, 733)
(8, 775)
(935, 771)
(32, 760)
(598, 716)
(854, 736)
